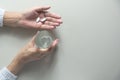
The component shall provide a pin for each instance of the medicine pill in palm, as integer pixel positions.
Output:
(43, 19)
(38, 20)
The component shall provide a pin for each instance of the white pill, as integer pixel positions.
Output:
(43, 19)
(38, 20)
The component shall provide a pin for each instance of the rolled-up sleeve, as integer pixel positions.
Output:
(2, 11)
(5, 74)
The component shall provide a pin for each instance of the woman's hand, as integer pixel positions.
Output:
(28, 19)
(29, 53)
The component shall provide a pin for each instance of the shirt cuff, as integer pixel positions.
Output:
(2, 11)
(5, 74)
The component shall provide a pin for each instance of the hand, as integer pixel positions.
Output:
(28, 19)
(29, 53)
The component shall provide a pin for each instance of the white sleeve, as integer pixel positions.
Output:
(5, 74)
(2, 11)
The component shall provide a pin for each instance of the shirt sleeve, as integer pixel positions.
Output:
(2, 11)
(5, 74)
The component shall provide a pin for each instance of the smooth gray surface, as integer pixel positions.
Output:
(89, 46)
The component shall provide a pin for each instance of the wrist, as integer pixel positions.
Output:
(15, 66)
(11, 19)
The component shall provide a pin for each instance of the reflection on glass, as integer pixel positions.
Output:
(44, 39)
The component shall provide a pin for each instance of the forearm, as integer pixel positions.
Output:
(11, 19)
(15, 66)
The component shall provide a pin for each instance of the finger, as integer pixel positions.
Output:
(54, 44)
(52, 23)
(32, 41)
(39, 9)
(45, 52)
(33, 50)
(48, 49)
(44, 26)
(38, 25)
(41, 56)
(42, 52)
(53, 15)
(54, 20)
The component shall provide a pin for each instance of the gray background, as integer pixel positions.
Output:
(89, 47)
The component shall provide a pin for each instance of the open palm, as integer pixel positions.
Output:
(28, 19)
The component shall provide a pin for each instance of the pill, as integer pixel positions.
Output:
(43, 19)
(38, 20)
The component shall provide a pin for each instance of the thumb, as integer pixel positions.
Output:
(42, 8)
(54, 44)
(32, 41)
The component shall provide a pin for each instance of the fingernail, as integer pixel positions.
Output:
(60, 21)
(57, 24)
(59, 16)
(53, 26)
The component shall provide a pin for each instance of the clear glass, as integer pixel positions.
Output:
(44, 39)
